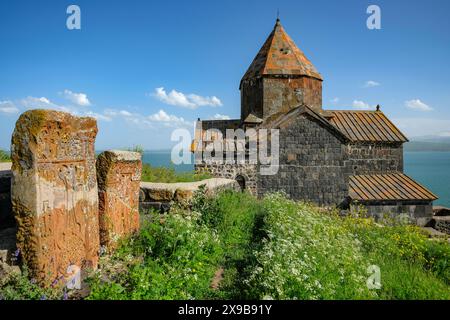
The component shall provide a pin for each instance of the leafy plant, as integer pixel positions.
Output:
(137, 148)
(21, 287)
(4, 156)
(169, 175)
(172, 258)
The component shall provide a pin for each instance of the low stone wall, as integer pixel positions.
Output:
(419, 213)
(160, 196)
(157, 196)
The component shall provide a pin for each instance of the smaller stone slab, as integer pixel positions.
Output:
(182, 192)
(119, 177)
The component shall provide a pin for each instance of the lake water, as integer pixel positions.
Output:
(432, 169)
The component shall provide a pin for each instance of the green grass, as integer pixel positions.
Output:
(272, 248)
(312, 255)
(172, 258)
(178, 255)
(169, 175)
(412, 266)
(4, 156)
(275, 249)
(21, 287)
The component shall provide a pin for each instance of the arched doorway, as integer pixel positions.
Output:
(241, 181)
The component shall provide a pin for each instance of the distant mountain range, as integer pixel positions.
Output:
(428, 143)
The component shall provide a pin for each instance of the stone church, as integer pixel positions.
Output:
(328, 157)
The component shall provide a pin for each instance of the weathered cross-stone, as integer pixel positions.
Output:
(119, 176)
(54, 193)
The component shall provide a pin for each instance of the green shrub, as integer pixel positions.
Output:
(307, 255)
(437, 257)
(137, 148)
(172, 258)
(412, 266)
(21, 287)
(274, 248)
(4, 156)
(169, 175)
(236, 218)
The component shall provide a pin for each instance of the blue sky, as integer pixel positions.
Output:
(115, 67)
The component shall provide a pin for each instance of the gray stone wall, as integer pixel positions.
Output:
(311, 165)
(232, 171)
(362, 158)
(220, 125)
(420, 212)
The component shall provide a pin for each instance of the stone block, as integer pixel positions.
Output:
(119, 177)
(183, 196)
(161, 195)
(54, 193)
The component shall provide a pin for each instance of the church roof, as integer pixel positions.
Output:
(387, 187)
(366, 126)
(284, 119)
(280, 56)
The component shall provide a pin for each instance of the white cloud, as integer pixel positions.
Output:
(219, 116)
(125, 113)
(115, 113)
(334, 100)
(361, 105)
(42, 103)
(174, 98)
(8, 107)
(80, 99)
(97, 116)
(155, 121)
(371, 84)
(416, 104)
(191, 101)
(162, 116)
(205, 101)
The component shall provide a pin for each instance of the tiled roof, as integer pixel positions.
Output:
(366, 126)
(391, 186)
(280, 56)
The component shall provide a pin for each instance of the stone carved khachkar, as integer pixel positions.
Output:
(55, 194)
(119, 177)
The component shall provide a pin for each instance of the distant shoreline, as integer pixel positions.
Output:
(426, 146)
